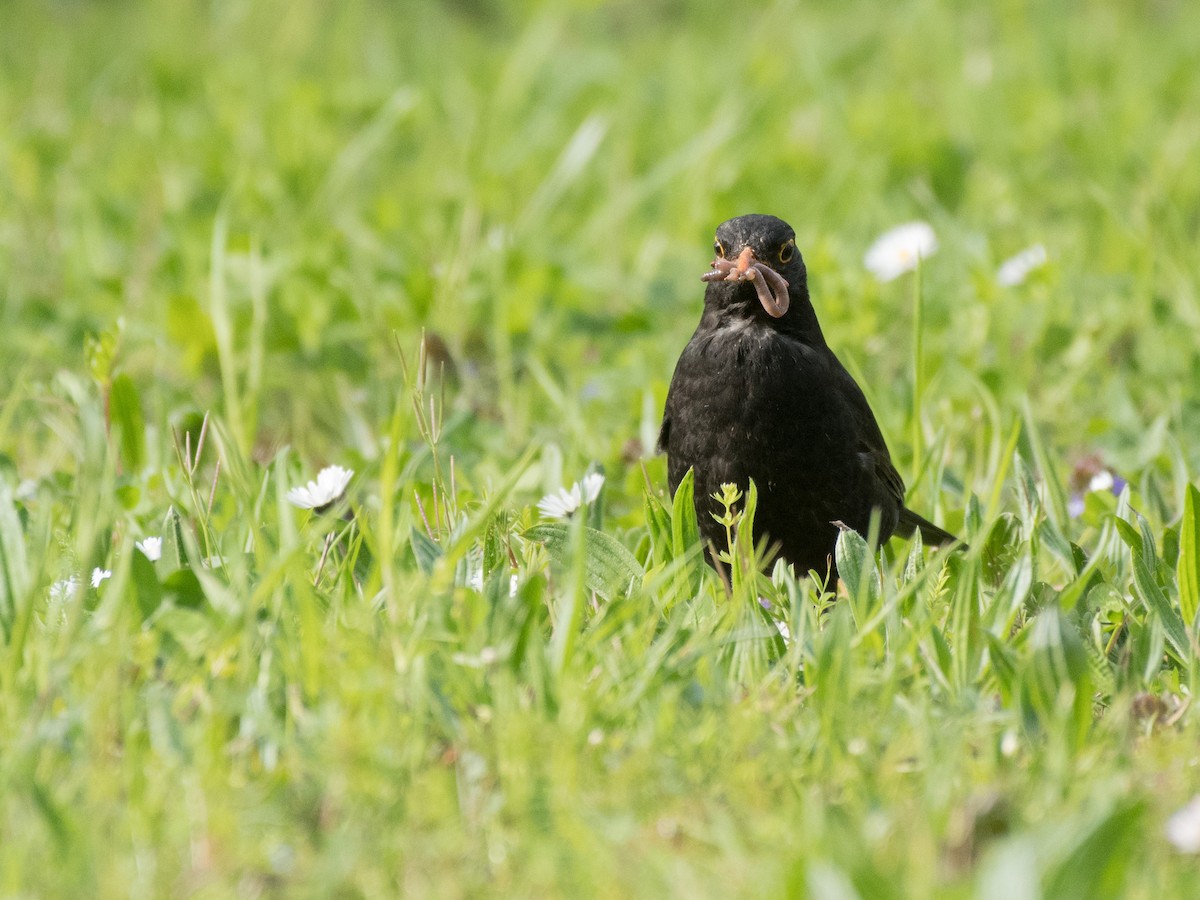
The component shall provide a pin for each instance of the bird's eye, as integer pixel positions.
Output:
(786, 251)
(719, 249)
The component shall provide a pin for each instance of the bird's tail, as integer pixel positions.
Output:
(930, 533)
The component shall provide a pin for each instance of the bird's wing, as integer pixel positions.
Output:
(871, 445)
(885, 471)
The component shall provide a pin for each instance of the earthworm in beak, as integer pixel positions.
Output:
(771, 287)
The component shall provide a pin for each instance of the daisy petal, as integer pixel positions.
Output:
(151, 547)
(897, 251)
(330, 485)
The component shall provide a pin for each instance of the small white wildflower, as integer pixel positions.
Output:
(151, 547)
(1101, 481)
(562, 504)
(330, 485)
(1010, 744)
(64, 589)
(898, 250)
(26, 490)
(591, 484)
(1015, 270)
(98, 575)
(565, 502)
(1183, 828)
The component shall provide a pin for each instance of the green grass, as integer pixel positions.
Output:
(252, 213)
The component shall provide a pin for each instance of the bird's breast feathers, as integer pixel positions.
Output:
(762, 356)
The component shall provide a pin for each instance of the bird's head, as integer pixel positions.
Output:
(759, 253)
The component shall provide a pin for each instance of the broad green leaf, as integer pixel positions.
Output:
(1145, 564)
(184, 589)
(684, 530)
(685, 533)
(1160, 606)
(174, 556)
(1149, 548)
(856, 566)
(1129, 535)
(609, 568)
(658, 523)
(495, 554)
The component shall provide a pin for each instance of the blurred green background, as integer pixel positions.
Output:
(537, 185)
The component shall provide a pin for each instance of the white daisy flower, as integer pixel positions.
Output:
(98, 575)
(562, 504)
(330, 485)
(1183, 828)
(898, 250)
(152, 547)
(64, 589)
(565, 502)
(1015, 270)
(591, 484)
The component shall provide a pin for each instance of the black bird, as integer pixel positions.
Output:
(757, 393)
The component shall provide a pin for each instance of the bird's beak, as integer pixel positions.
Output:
(772, 288)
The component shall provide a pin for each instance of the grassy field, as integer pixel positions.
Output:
(224, 229)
